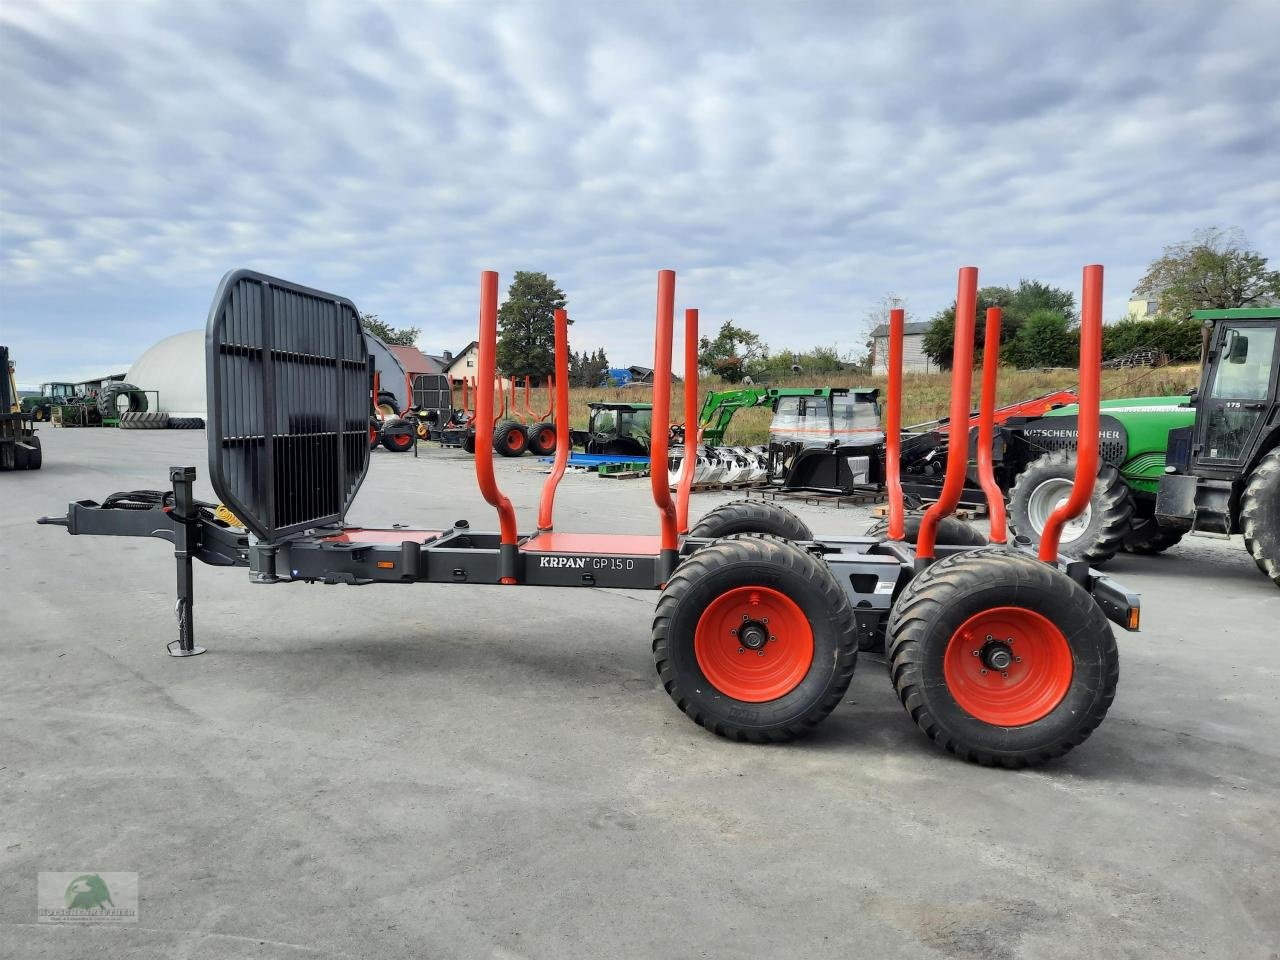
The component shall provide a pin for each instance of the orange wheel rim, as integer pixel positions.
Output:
(1008, 666)
(373, 434)
(402, 440)
(547, 438)
(514, 439)
(753, 644)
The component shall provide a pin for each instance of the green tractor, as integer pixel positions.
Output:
(616, 429)
(1207, 463)
(40, 408)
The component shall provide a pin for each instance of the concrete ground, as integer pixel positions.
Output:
(482, 772)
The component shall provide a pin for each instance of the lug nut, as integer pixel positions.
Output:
(742, 649)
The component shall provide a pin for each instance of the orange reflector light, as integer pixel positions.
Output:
(1133, 618)
(385, 565)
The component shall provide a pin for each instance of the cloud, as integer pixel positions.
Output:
(793, 162)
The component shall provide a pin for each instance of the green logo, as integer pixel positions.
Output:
(88, 892)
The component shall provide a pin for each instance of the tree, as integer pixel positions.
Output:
(526, 325)
(1178, 338)
(732, 353)
(403, 336)
(1212, 270)
(1016, 303)
(1044, 339)
(587, 369)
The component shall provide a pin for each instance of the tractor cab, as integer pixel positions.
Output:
(1225, 460)
(618, 428)
(830, 441)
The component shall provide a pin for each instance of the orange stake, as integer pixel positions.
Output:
(484, 408)
(547, 504)
(893, 427)
(1087, 418)
(987, 426)
(658, 481)
(691, 431)
(961, 388)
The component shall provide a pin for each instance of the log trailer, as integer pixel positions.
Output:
(1000, 655)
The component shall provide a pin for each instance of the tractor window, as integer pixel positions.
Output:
(1244, 364)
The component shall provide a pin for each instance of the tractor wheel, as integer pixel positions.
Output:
(753, 639)
(1001, 659)
(108, 402)
(1260, 515)
(375, 433)
(396, 435)
(1098, 533)
(542, 439)
(751, 516)
(952, 531)
(21, 457)
(40, 413)
(1149, 536)
(509, 438)
(35, 457)
(469, 444)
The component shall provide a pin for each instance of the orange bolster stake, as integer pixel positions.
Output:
(663, 335)
(987, 426)
(485, 365)
(547, 504)
(1087, 418)
(691, 431)
(893, 427)
(961, 388)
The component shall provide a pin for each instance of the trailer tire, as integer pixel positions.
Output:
(952, 531)
(1151, 536)
(469, 444)
(397, 435)
(716, 678)
(509, 438)
(108, 405)
(541, 439)
(1099, 532)
(375, 433)
(751, 516)
(941, 657)
(1260, 515)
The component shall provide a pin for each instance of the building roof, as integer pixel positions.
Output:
(460, 354)
(916, 328)
(413, 360)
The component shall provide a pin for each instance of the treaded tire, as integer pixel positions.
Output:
(397, 435)
(147, 420)
(186, 423)
(1260, 515)
(777, 567)
(942, 598)
(539, 443)
(469, 444)
(375, 433)
(108, 407)
(1150, 537)
(21, 457)
(952, 531)
(35, 456)
(509, 438)
(1110, 508)
(751, 516)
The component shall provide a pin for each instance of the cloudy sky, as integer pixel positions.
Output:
(791, 161)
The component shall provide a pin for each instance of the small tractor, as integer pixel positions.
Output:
(1206, 463)
(19, 445)
(1000, 655)
(55, 396)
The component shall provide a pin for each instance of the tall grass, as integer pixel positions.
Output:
(926, 396)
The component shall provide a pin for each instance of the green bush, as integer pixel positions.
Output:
(1178, 339)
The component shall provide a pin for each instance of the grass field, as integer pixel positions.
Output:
(925, 396)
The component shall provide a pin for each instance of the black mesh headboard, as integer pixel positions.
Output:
(288, 392)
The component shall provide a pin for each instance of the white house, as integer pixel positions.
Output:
(914, 359)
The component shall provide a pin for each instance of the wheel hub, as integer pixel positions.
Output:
(753, 635)
(996, 655)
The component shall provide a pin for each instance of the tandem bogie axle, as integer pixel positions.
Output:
(1000, 655)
